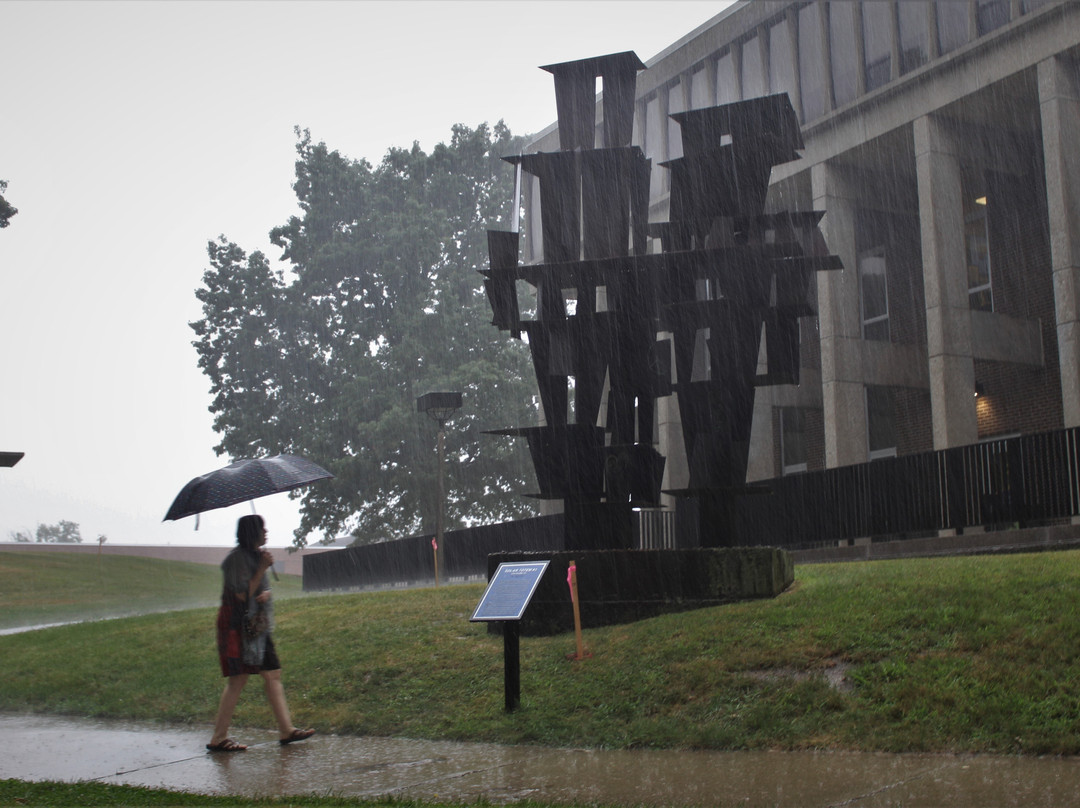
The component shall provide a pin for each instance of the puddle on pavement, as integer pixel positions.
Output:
(40, 748)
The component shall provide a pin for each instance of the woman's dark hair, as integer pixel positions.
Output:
(249, 531)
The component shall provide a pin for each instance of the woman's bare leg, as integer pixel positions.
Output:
(229, 698)
(275, 694)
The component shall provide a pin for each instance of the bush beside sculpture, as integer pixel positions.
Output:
(621, 586)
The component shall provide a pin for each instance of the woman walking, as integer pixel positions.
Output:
(246, 600)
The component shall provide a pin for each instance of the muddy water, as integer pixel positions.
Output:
(37, 748)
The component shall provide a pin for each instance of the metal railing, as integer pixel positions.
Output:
(1015, 481)
(1021, 480)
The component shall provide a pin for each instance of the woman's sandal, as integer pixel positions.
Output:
(297, 735)
(228, 745)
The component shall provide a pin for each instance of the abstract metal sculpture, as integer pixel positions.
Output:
(698, 289)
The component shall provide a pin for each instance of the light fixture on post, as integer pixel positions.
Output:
(441, 407)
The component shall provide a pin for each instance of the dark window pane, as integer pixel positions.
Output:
(753, 73)
(977, 245)
(654, 141)
(676, 103)
(781, 59)
(952, 25)
(981, 300)
(842, 49)
(877, 331)
(877, 43)
(793, 438)
(811, 62)
(873, 289)
(880, 420)
(914, 34)
(991, 14)
(726, 88)
(700, 95)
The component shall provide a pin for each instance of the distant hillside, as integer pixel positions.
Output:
(55, 587)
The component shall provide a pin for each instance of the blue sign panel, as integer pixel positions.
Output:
(509, 591)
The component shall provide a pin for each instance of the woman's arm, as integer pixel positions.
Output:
(266, 560)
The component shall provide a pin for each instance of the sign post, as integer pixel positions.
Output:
(504, 601)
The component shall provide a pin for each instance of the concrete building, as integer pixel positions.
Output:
(943, 143)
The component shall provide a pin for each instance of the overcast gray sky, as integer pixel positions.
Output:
(134, 132)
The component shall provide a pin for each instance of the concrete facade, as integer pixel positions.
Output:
(943, 144)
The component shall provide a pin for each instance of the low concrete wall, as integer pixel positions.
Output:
(623, 586)
(285, 563)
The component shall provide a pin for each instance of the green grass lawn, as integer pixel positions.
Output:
(42, 588)
(970, 654)
(80, 795)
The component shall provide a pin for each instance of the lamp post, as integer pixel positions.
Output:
(440, 406)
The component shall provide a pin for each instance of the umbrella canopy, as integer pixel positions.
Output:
(244, 480)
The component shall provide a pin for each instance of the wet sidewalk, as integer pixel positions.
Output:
(42, 748)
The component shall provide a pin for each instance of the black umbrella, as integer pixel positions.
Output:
(242, 481)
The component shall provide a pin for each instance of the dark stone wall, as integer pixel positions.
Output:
(621, 586)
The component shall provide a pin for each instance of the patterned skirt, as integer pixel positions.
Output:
(230, 643)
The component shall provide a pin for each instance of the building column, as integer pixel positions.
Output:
(840, 322)
(1059, 98)
(948, 313)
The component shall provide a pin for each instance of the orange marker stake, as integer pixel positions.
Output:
(571, 579)
(435, 552)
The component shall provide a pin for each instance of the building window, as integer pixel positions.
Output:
(753, 71)
(977, 247)
(953, 28)
(1027, 6)
(914, 20)
(700, 96)
(781, 59)
(811, 62)
(880, 423)
(874, 294)
(654, 143)
(676, 103)
(842, 49)
(990, 15)
(792, 440)
(727, 88)
(877, 44)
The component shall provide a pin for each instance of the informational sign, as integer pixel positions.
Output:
(509, 591)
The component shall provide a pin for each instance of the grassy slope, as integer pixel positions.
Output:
(963, 654)
(41, 588)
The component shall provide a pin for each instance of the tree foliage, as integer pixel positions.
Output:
(6, 208)
(63, 532)
(380, 303)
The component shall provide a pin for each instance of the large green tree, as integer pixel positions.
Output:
(380, 302)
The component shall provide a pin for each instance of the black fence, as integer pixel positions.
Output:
(1023, 481)
(1019, 481)
(407, 562)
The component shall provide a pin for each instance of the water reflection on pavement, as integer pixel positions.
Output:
(44, 748)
